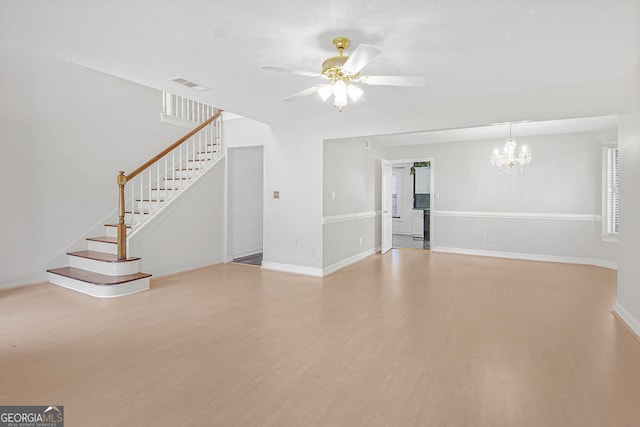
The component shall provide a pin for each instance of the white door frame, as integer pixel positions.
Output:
(386, 220)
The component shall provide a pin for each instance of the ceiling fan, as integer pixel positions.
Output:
(343, 75)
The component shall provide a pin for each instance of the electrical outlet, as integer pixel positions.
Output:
(276, 194)
(295, 242)
(312, 252)
(361, 241)
(333, 195)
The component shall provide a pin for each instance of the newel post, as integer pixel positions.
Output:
(122, 228)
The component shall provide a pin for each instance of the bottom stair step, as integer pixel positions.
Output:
(98, 285)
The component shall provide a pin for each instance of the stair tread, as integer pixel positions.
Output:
(115, 225)
(176, 179)
(96, 278)
(104, 239)
(100, 256)
(164, 189)
(137, 212)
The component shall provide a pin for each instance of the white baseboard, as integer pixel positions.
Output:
(529, 257)
(247, 253)
(627, 318)
(292, 268)
(346, 262)
(22, 281)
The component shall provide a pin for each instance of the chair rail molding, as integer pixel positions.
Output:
(519, 215)
(331, 219)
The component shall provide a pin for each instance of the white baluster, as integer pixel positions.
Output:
(164, 102)
(192, 141)
(165, 175)
(133, 198)
(157, 182)
(173, 167)
(142, 216)
(180, 160)
(141, 197)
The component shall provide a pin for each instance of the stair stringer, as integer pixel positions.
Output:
(187, 231)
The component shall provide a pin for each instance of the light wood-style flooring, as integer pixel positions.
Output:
(408, 338)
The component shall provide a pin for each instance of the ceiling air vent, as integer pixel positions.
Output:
(191, 85)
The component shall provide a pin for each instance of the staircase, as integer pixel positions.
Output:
(104, 270)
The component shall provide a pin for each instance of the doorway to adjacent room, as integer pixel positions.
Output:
(411, 203)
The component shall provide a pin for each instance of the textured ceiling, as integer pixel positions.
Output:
(484, 60)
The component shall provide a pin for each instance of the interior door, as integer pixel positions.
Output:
(387, 220)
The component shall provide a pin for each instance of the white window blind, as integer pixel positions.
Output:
(612, 190)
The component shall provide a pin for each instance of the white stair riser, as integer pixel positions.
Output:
(107, 248)
(198, 164)
(147, 206)
(210, 155)
(175, 183)
(187, 173)
(108, 268)
(100, 291)
(112, 231)
(137, 219)
(163, 194)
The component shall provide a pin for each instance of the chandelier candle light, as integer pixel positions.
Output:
(507, 159)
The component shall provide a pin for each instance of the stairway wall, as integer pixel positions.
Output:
(65, 131)
(188, 233)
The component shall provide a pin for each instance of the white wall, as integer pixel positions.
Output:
(293, 223)
(246, 132)
(189, 233)
(65, 132)
(245, 200)
(628, 301)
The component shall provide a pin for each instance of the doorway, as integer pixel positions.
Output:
(245, 201)
(411, 188)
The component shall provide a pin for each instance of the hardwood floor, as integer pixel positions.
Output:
(408, 338)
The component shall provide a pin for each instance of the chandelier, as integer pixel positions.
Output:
(508, 159)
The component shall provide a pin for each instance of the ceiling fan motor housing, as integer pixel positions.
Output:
(333, 66)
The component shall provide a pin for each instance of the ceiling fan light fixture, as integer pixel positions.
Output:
(339, 94)
(342, 71)
(354, 92)
(325, 92)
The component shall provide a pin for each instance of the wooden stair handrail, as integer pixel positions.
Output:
(122, 180)
(172, 146)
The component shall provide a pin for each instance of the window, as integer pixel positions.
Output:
(610, 192)
(395, 196)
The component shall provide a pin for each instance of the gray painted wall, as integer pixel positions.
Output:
(628, 301)
(564, 178)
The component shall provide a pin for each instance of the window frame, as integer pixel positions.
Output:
(607, 146)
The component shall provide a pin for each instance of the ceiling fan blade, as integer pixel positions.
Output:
(287, 70)
(360, 58)
(409, 81)
(302, 93)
